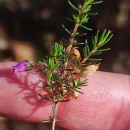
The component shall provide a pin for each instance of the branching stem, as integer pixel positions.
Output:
(89, 55)
(73, 34)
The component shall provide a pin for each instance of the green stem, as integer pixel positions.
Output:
(73, 34)
(54, 106)
(87, 57)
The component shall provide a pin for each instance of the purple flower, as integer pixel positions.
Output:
(22, 66)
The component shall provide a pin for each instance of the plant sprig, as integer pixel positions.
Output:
(97, 44)
(68, 59)
(65, 67)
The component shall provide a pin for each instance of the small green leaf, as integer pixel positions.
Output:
(95, 40)
(109, 38)
(103, 50)
(84, 19)
(92, 59)
(81, 83)
(96, 53)
(88, 1)
(66, 29)
(80, 7)
(106, 36)
(89, 13)
(69, 19)
(77, 33)
(76, 19)
(51, 64)
(96, 37)
(86, 27)
(87, 9)
(102, 37)
(88, 50)
(96, 2)
(80, 35)
(85, 53)
(74, 7)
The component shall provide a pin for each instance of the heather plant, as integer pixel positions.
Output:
(66, 66)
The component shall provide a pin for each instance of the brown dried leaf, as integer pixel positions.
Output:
(89, 70)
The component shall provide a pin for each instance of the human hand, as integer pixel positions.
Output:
(105, 104)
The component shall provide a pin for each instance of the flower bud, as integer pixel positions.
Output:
(89, 70)
(76, 52)
(22, 66)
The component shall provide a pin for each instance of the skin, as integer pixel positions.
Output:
(105, 104)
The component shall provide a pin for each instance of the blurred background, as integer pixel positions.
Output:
(28, 28)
